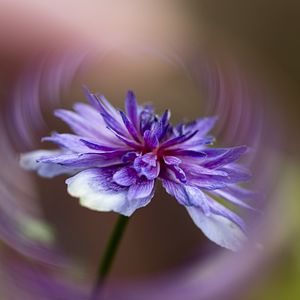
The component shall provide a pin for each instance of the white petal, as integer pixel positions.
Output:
(95, 193)
(218, 229)
(28, 161)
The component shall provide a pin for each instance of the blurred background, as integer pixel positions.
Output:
(239, 58)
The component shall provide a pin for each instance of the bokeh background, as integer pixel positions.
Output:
(168, 52)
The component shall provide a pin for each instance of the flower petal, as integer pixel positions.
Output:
(229, 156)
(226, 194)
(142, 189)
(68, 141)
(185, 195)
(147, 165)
(96, 191)
(203, 125)
(132, 108)
(218, 229)
(112, 119)
(125, 176)
(218, 209)
(29, 161)
(79, 124)
(151, 140)
(178, 140)
(208, 182)
(196, 170)
(130, 127)
(98, 147)
(88, 112)
(236, 173)
(125, 140)
(85, 160)
(171, 160)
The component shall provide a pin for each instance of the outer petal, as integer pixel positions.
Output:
(88, 112)
(218, 229)
(185, 195)
(218, 223)
(29, 161)
(231, 155)
(203, 125)
(68, 141)
(89, 128)
(85, 160)
(229, 196)
(97, 191)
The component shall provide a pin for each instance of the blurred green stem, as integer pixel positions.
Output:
(109, 254)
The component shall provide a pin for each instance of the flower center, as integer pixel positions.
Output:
(147, 165)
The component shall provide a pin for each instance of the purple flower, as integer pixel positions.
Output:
(116, 157)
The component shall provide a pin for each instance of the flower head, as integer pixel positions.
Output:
(116, 157)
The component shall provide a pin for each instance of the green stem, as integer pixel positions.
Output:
(109, 254)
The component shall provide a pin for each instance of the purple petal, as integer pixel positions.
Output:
(130, 156)
(95, 128)
(202, 125)
(163, 125)
(171, 160)
(85, 160)
(177, 172)
(131, 108)
(151, 140)
(96, 146)
(146, 118)
(140, 190)
(113, 124)
(198, 142)
(109, 108)
(213, 152)
(229, 156)
(88, 112)
(125, 176)
(230, 197)
(178, 140)
(78, 124)
(150, 159)
(110, 116)
(29, 161)
(189, 153)
(147, 165)
(165, 117)
(125, 140)
(91, 97)
(130, 127)
(68, 141)
(197, 170)
(236, 174)
(207, 182)
(157, 129)
(185, 195)
(242, 193)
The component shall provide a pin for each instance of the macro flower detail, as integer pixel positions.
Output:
(115, 158)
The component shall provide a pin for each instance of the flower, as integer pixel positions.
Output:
(116, 157)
